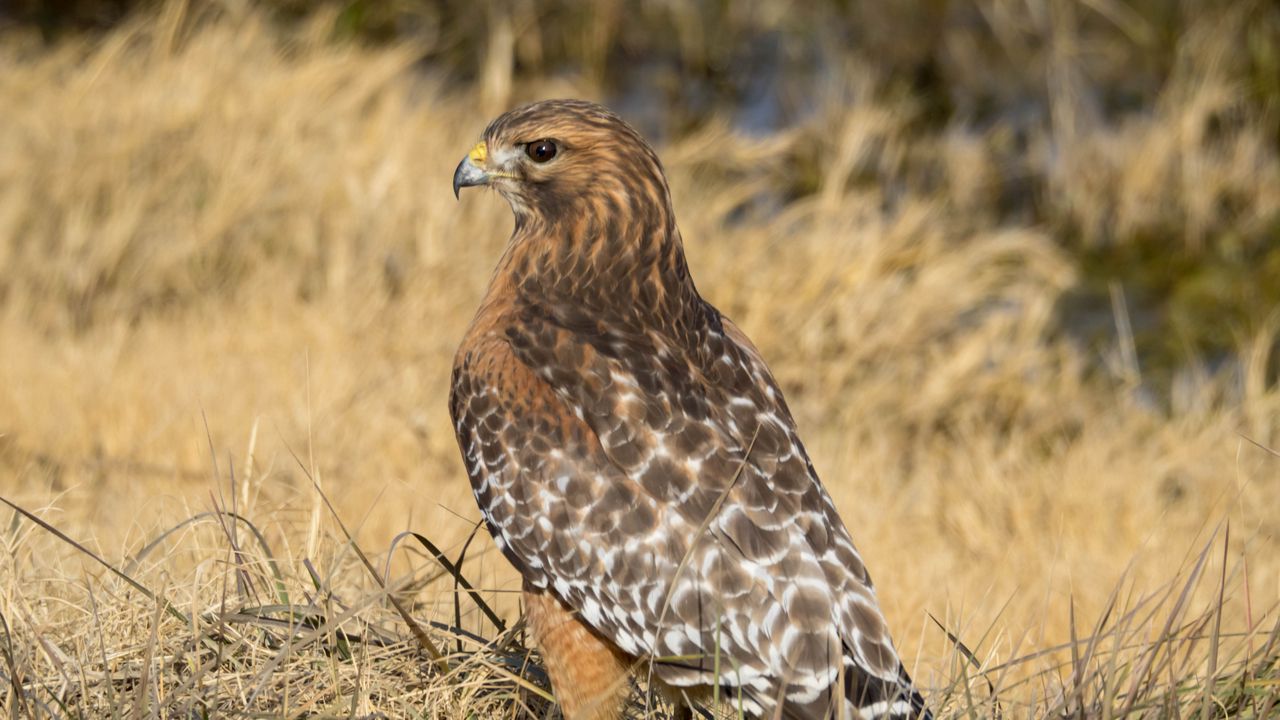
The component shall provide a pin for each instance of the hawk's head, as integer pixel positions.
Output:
(567, 159)
(593, 214)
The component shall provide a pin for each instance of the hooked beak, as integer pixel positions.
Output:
(471, 170)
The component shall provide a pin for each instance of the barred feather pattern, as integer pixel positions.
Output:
(633, 456)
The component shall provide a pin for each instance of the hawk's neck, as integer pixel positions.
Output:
(629, 272)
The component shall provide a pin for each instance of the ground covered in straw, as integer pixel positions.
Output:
(232, 276)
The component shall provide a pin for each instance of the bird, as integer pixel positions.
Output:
(633, 456)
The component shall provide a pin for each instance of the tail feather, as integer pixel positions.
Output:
(865, 697)
(871, 698)
(908, 705)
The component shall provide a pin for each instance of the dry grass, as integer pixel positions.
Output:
(231, 264)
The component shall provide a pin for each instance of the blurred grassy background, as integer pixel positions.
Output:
(1017, 265)
(1140, 134)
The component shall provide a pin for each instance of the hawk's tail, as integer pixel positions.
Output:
(908, 705)
(865, 697)
(869, 698)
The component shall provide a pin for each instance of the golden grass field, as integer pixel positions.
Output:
(231, 264)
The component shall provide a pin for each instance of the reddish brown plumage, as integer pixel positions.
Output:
(589, 673)
(634, 458)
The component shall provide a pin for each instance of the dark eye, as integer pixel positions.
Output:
(540, 150)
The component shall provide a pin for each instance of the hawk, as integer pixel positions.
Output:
(634, 458)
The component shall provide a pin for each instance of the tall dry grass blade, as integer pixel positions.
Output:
(1271, 451)
(1081, 675)
(1149, 670)
(1211, 674)
(1061, 647)
(317, 583)
(246, 481)
(962, 680)
(17, 697)
(1269, 662)
(213, 453)
(175, 612)
(143, 696)
(102, 649)
(1077, 670)
(457, 597)
(1124, 335)
(313, 528)
(459, 579)
(1112, 679)
(1248, 603)
(59, 660)
(973, 660)
(418, 633)
(244, 582)
(269, 555)
(1094, 641)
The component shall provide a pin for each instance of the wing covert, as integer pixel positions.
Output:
(645, 443)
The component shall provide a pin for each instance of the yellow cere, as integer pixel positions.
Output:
(478, 153)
